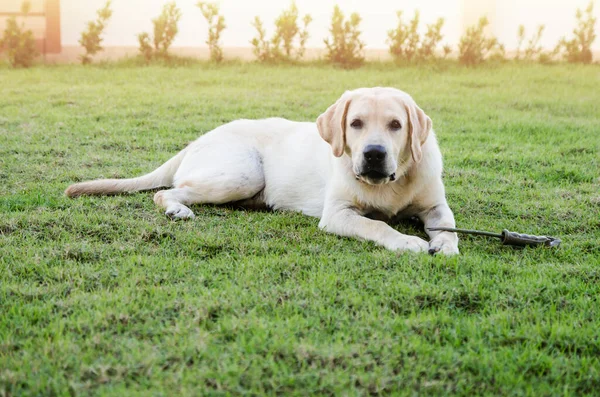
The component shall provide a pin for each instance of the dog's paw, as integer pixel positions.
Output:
(179, 211)
(448, 248)
(409, 243)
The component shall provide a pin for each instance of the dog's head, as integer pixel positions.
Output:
(381, 129)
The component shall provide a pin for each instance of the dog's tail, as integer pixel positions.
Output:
(162, 176)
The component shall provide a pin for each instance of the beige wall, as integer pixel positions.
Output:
(15, 5)
(36, 23)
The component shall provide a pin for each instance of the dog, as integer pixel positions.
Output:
(372, 151)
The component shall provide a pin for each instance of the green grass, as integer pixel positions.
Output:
(106, 296)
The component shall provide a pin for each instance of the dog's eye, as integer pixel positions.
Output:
(395, 125)
(356, 123)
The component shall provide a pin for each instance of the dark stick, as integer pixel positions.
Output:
(468, 231)
(508, 237)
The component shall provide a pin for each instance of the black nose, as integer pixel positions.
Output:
(374, 154)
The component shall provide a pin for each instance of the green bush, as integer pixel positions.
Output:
(433, 37)
(165, 30)
(90, 38)
(474, 47)
(446, 50)
(216, 25)
(578, 49)
(145, 46)
(344, 47)
(281, 47)
(404, 40)
(406, 45)
(18, 42)
(261, 45)
(533, 48)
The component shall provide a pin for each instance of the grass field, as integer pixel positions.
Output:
(106, 296)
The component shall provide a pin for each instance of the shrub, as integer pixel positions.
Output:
(533, 49)
(145, 47)
(406, 43)
(90, 38)
(18, 42)
(578, 49)
(165, 30)
(216, 25)
(404, 40)
(261, 46)
(446, 50)
(474, 47)
(287, 29)
(433, 36)
(281, 47)
(303, 36)
(344, 47)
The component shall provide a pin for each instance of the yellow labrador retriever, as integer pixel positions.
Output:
(373, 151)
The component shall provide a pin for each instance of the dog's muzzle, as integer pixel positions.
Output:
(373, 177)
(373, 169)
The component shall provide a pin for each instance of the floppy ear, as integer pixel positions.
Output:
(419, 125)
(332, 125)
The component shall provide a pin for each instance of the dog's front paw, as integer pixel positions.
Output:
(444, 247)
(179, 211)
(409, 243)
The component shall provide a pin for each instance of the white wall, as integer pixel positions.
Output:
(134, 16)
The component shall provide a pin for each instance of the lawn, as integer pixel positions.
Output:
(106, 296)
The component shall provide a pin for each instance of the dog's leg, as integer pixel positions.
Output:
(440, 215)
(344, 221)
(217, 175)
(174, 201)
